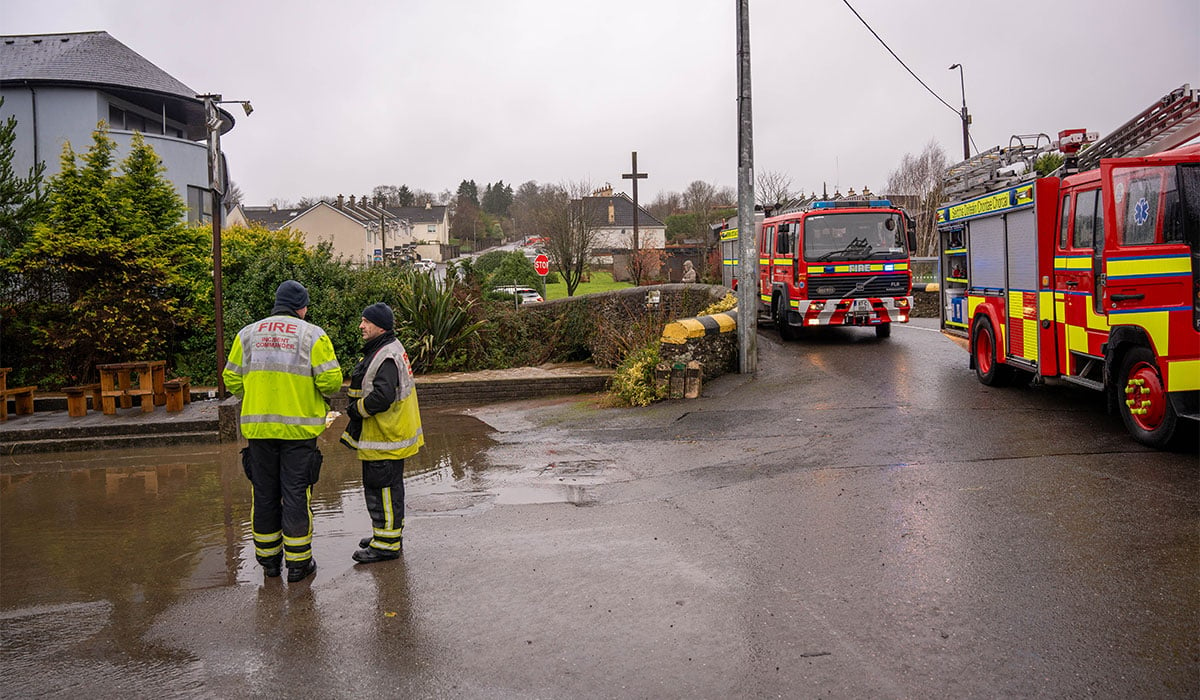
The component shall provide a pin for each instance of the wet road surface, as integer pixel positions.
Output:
(861, 519)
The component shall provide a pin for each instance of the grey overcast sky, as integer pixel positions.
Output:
(349, 95)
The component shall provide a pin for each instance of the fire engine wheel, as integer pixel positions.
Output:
(984, 346)
(779, 315)
(883, 330)
(1143, 401)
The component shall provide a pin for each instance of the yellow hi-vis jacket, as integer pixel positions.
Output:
(394, 433)
(282, 368)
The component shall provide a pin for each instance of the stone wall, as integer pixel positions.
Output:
(629, 317)
(926, 301)
(709, 340)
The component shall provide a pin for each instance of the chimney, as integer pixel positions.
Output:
(341, 201)
(612, 214)
(351, 200)
(866, 192)
(851, 194)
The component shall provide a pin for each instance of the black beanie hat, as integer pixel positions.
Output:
(381, 315)
(291, 296)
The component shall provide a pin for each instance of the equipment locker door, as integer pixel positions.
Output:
(1022, 284)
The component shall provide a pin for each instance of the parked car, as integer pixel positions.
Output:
(425, 265)
(525, 294)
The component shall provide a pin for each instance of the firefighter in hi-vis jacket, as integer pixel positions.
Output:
(284, 370)
(384, 427)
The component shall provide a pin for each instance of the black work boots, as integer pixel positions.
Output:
(370, 555)
(271, 566)
(299, 572)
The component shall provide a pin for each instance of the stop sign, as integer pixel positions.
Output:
(542, 265)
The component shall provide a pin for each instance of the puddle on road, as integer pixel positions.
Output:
(138, 524)
(132, 524)
(96, 546)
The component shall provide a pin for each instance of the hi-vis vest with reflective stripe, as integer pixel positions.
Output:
(281, 367)
(395, 433)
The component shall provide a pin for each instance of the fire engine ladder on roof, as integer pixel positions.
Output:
(1172, 121)
(972, 173)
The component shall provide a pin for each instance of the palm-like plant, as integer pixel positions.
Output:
(433, 318)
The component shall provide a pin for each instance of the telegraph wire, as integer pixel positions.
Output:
(893, 53)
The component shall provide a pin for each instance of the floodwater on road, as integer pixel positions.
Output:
(96, 544)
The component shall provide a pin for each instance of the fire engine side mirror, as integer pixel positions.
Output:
(910, 228)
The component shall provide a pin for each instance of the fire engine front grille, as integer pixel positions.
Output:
(879, 285)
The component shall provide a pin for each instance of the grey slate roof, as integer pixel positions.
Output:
(596, 209)
(370, 212)
(97, 60)
(274, 219)
(85, 57)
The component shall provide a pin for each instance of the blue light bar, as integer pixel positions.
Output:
(852, 203)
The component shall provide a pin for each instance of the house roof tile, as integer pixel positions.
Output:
(597, 212)
(83, 57)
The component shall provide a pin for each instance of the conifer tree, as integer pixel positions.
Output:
(114, 251)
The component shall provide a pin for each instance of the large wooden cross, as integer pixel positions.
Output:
(635, 176)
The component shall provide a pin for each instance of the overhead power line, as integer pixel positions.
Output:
(893, 53)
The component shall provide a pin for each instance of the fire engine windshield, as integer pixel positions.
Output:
(854, 236)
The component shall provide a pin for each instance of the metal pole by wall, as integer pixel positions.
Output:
(747, 268)
(213, 120)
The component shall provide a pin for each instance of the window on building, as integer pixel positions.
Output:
(431, 228)
(116, 117)
(129, 120)
(199, 205)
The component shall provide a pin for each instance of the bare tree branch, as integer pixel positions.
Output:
(772, 187)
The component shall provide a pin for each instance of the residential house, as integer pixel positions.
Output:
(609, 216)
(361, 231)
(59, 86)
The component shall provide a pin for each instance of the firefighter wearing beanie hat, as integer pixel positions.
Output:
(284, 370)
(384, 428)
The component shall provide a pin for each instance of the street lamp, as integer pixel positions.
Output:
(966, 118)
(216, 183)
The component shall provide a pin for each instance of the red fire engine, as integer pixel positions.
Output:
(834, 263)
(1092, 278)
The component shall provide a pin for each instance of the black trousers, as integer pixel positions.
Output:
(282, 473)
(383, 488)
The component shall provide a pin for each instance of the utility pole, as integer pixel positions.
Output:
(964, 115)
(747, 268)
(212, 118)
(216, 184)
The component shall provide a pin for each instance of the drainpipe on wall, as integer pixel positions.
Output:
(33, 104)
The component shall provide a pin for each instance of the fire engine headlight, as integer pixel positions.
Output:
(816, 306)
(902, 303)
